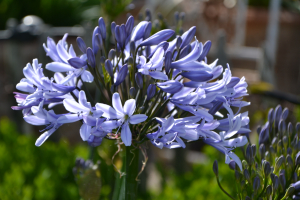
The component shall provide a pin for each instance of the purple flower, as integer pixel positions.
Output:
(158, 37)
(170, 86)
(124, 115)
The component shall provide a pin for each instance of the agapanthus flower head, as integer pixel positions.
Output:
(143, 87)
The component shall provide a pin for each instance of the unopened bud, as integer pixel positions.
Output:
(151, 91)
(267, 169)
(282, 181)
(290, 191)
(141, 109)
(102, 60)
(245, 164)
(237, 175)
(289, 151)
(275, 182)
(294, 177)
(297, 160)
(132, 92)
(256, 184)
(130, 61)
(249, 154)
(271, 116)
(178, 42)
(139, 80)
(132, 47)
(262, 151)
(247, 175)
(269, 190)
(290, 129)
(215, 168)
(289, 160)
(279, 162)
(284, 113)
(232, 165)
(112, 54)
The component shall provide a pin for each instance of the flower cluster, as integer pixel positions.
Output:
(272, 170)
(157, 88)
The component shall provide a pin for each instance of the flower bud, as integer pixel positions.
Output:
(258, 130)
(277, 114)
(297, 159)
(267, 168)
(274, 141)
(272, 151)
(297, 127)
(132, 92)
(168, 60)
(139, 80)
(256, 184)
(249, 154)
(296, 186)
(279, 162)
(102, 27)
(262, 150)
(245, 164)
(178, 42)
(205, 50)
(112, 54)
(215, 168)
(188, 36)
(290, 191)
(284, 114)
(275, 182)
(109, 68)
(289, 160)
(282, 126)
(232, 165)
(113, 27)
(81, 44)
(282, 181)
(90, 57)
(247, 175)
(237, 175)
(129, 25)
(148, 15)
(130, 61)
(102, 60)
(290, 129)
(264, 134)
(141, 109)
(176, 17)
(151, 91)
(147, 34)
(121, 75)
(132, 47)
(99, 41)
(271, 116)
(269, 190)
(289, 151)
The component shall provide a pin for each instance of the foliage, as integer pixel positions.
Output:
(27, 172)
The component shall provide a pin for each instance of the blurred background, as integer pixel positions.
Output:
(258, 38)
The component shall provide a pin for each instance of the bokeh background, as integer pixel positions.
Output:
(258, 38)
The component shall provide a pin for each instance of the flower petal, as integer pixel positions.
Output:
(109, 112)
(135, 119)
(129, 107)
(116, 102)
(85, 132)
(59, 67)
(126, 135)
(74, 107)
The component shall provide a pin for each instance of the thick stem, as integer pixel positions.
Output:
(131, 170)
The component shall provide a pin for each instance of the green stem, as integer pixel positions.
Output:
(131, 170)
(223, 189)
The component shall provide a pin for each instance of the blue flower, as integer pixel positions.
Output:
(124, 115)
